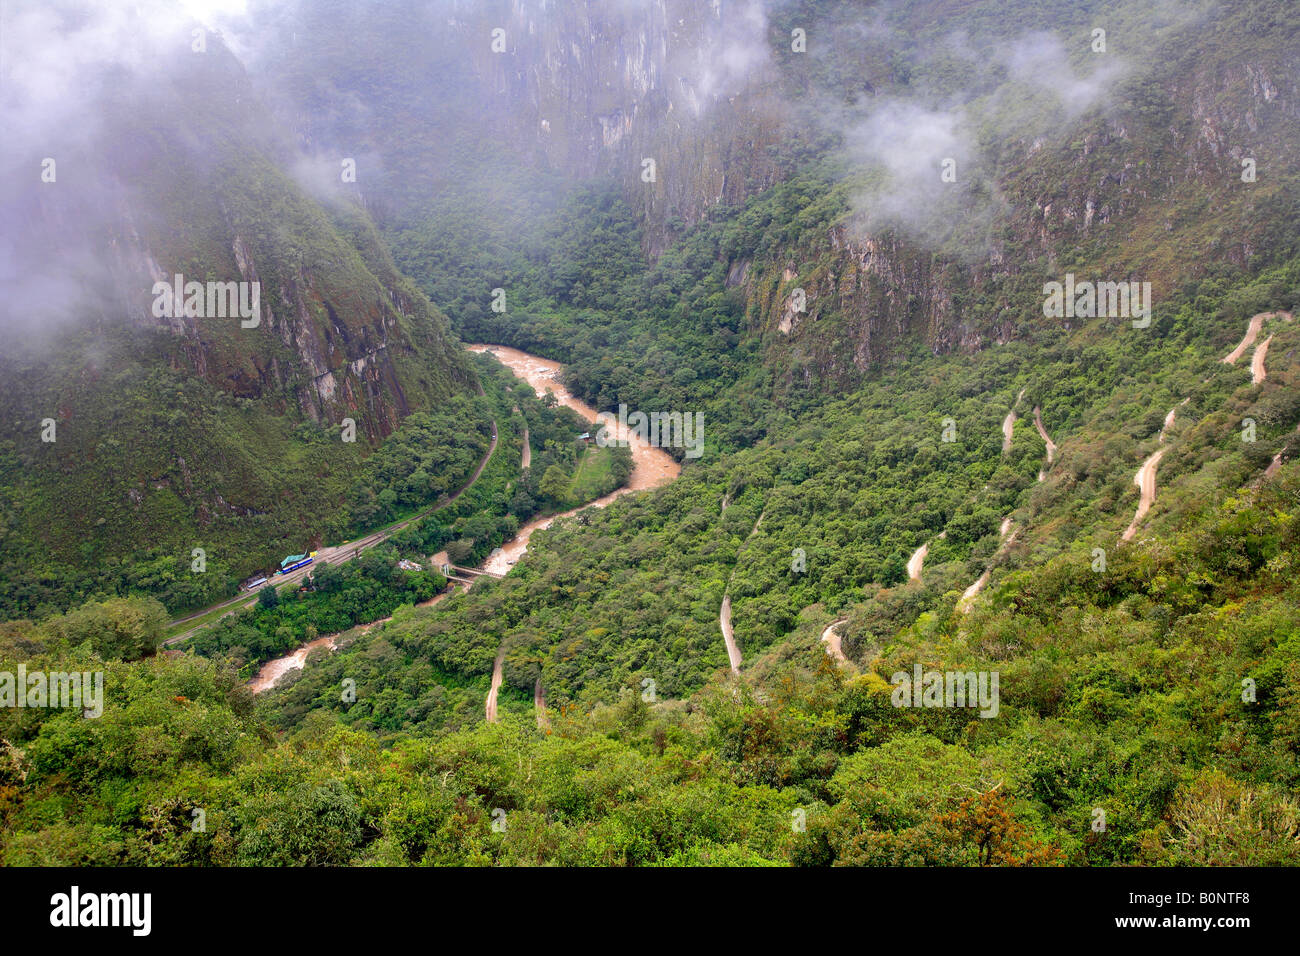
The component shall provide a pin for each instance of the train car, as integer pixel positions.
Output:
(295, 561)
(255, 584)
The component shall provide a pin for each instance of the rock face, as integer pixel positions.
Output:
(194, 182)
(689, 106)
(323, 349)
(603, 89)
(1170, 166)
(710, 92)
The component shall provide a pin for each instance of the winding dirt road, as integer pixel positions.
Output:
(916, 563)
(724, 615)
(1047, 440)
(831, 638)
(1042, 433)
(495, 686)
(1169, 420)
(1009, 424)
(968, 596)
(1145, 478)
(1257, 371)
(1252, 332)
(728, 636)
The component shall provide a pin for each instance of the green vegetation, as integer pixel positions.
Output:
(331, 600)
(428, 459)
(118, 629)
(1156, 680)
(203, 474)
(199, 433)
(1108, 700)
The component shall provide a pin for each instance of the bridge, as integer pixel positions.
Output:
(455, 572)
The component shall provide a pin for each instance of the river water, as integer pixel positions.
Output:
(272, 671)
(651, 467)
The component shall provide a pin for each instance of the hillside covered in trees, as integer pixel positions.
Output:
(910, 464)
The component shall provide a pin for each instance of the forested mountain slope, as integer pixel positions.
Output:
(919, 459)
(1114, 698)
(134, 434)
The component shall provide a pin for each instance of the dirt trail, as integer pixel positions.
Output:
(728, 637)
(528, 451)
(832, 641)
(1252, 332)
(917, 561)
(1042, 433)
(724, 615)
(1047, 440)
(1276, 463)
(496, 686)
(1009, 424)
(1145, 478)
(1169, 420)
(1257, 371)
(968, 596)
(539, 706)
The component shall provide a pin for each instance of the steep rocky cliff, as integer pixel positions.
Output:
(501, 100)
(192, 180)
(136, 428)
(1066, 151)
(607, 89)
(1150, 182)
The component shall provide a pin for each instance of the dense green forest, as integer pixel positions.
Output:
(1114, 697)
(333, 600)
(873, 474)
(325, 492)
(1123, 689)
(857, 488)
